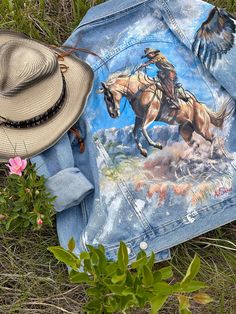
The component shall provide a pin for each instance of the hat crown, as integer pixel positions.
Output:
(24, 64)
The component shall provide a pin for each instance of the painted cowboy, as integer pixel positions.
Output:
(166, 75)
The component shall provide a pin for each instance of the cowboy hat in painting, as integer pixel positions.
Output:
(147, 51)
(38, 101)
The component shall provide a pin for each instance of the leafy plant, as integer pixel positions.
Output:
(114, 286)
(24, 200)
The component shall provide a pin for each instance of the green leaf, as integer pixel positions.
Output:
(139, 262)
(193, 269)
(191, 286)
(101, 248)
(140, 291)
(93, 254)
(94, 258)
(94, 305)
(102, 261)
(166, 272)
(123, 258)
(84, 255)
(117, 289)
(118, 278)
(157, 276)
(112, 306)
(141, 301)
(147, 276)
(202, 298)
(65, 256)
(125, 301)
(111, 268)
(9, 222)
(88, 266)
(94, 292)
(71, 244)
(163, 288)
(129, 279)
(98, 259)
(157, 303)
(151, 261)
(141, 254)
(77, 277)
(127, 291)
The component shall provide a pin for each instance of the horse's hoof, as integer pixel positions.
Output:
(144, 152)
(158, 145)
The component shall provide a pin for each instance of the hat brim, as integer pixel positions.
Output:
(155, 51)
(32, 141)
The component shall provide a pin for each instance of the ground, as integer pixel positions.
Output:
(31, 281)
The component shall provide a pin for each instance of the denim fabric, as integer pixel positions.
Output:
(124, 187)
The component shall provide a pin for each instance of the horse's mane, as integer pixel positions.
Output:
(123, 73)
(117, 74)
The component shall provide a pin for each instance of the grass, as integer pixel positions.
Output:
(48, 20)
(31, 281)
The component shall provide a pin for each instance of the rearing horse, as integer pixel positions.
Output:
(147, 100)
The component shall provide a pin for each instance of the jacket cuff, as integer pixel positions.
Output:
(70, 186)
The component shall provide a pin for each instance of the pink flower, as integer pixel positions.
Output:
(16, 165)
(39, 222)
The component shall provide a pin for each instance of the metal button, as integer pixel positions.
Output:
(143, 245)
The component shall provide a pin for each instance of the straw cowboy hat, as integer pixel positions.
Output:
(147, 51)
(38, 102)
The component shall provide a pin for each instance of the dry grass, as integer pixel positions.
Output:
(31, 281)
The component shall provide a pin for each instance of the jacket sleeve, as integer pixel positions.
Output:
(210, 33)
(64, 180)
(71, 187)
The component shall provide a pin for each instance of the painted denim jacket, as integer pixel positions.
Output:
(159, 161)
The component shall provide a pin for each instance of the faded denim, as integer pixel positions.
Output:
(111, 192)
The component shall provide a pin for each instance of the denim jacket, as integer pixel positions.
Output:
(159, 162)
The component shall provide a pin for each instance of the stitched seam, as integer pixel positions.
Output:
(110, 16)
(84, 212)
(124, 47)
(172, 20)
(201, 210)
(200, 232)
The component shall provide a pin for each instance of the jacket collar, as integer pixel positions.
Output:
(108, 8)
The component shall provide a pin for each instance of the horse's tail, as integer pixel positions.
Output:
(218, 118)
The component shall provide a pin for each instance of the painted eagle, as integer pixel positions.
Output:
(215, 37)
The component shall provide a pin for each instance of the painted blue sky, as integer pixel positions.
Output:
(131, 57)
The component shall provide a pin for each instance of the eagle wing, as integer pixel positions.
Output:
(215, 37)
